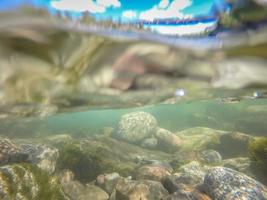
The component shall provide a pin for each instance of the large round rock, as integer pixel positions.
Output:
(224, 183)
(136, 126)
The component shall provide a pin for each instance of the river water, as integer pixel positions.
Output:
(133, 99)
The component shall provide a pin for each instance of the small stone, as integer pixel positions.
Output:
(225, 183)
(136, 190)
(108, 181)
(136, 126)
(167, 141)
(73, 189)
(192, 173)
(189, 176)
(152, 172)
(210, 157)
(187, 193)
(93, 192)
(149, 143)
(66, 176)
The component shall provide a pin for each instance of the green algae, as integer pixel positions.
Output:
(30, 182)
(73, 158)
(90, 161)
(258, 155)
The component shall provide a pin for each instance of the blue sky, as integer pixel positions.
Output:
(127, 9)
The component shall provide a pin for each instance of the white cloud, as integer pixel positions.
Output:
(109, 3)
(163, 4)
(129, 14)
(99, 6)
(173, 10)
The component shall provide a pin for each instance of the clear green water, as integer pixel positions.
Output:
(247, 116)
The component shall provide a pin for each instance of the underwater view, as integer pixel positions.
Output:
(133, 100)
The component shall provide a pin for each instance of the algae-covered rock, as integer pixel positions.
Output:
(199, 138)
(191, 174)
(44, 156)
(240, 164)
(225, 183)
(91, 157)
(73, 157)
(11, 152)
(28, 182)
(258, 156)
(136, 126)
(239, 141)
(188, 177)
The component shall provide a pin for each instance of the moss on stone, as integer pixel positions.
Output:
(49, 187)
(258, 155)
(89, 161)
(30, 182)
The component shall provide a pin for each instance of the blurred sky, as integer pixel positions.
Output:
(127, 9)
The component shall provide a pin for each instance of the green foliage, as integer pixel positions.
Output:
(258, 155)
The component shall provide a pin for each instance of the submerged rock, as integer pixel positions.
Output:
(149, 143)
(188, 177)
(11, 152)
(210, 157)
(167, 141)
(108, 182)
(241, 164)
(77, 191)
(89, 158)
(93, 192)
(44, 156)
(239, 141)
(225, 183)
(136, 190)
(258, 156)
(28, 182)
(199, 138)
(191, 174)
(136, 126)
(152, 172)
(187, 193)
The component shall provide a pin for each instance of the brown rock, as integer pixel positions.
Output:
(167, 141)
(108, 182)
(136, 190)
(152, 172)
